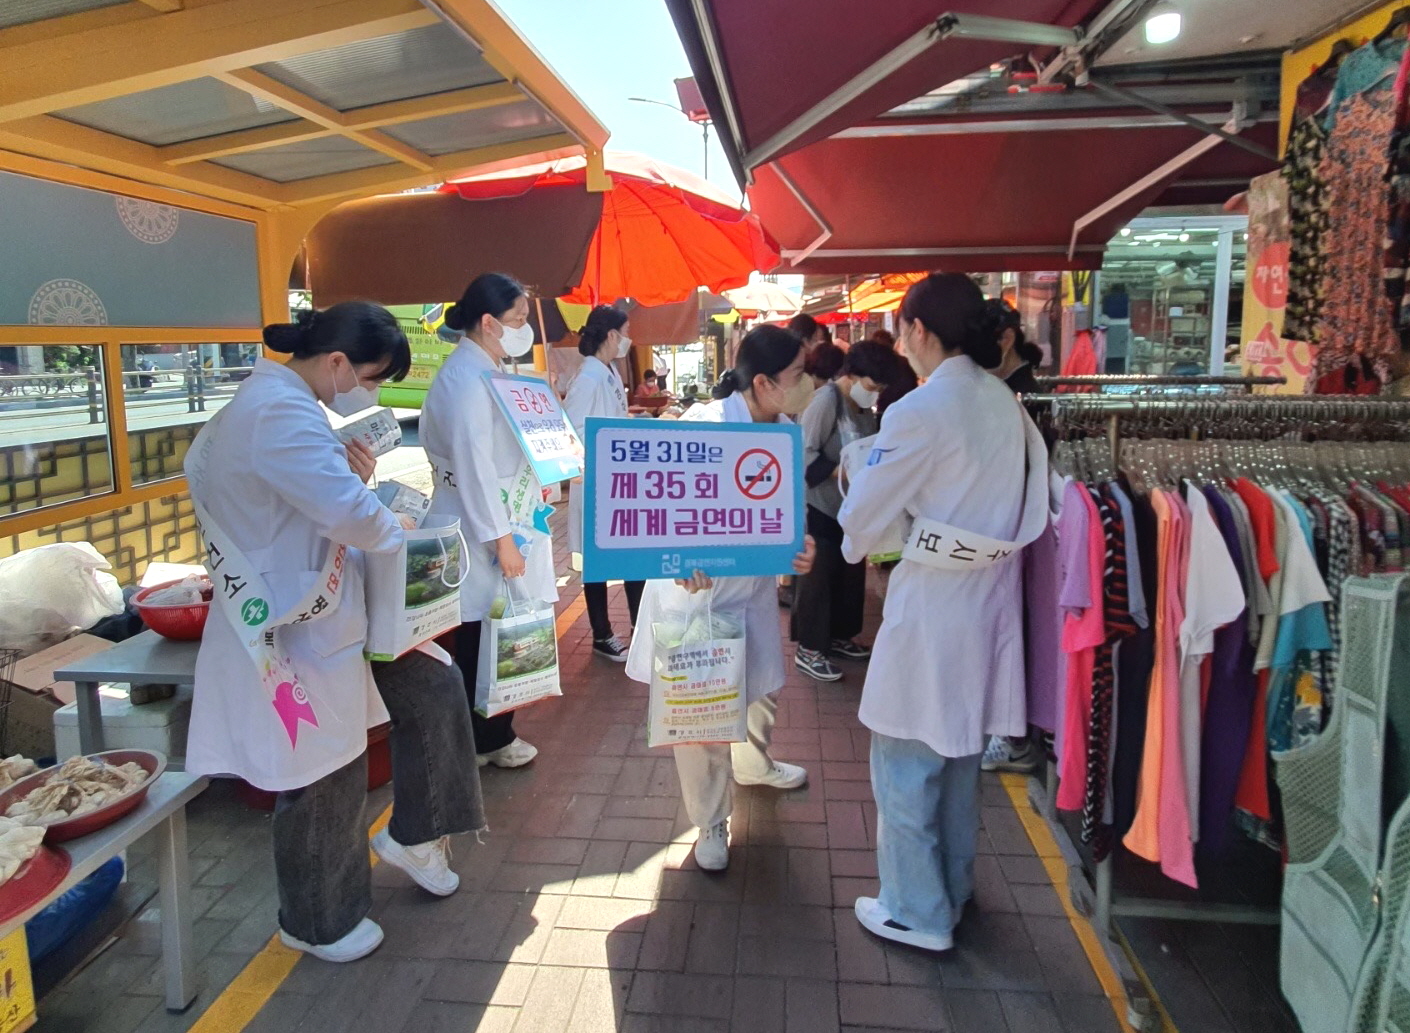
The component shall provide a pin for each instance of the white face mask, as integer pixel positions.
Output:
(346, 403)
(865, 399)
(624, 346)
(517, 341)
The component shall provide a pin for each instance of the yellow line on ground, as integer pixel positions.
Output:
(242, 1000)
(1051, 856)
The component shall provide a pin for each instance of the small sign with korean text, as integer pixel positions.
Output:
(544, 432)
(664, 498)
(16, 984)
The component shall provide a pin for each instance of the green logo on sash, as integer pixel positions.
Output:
(255, 612)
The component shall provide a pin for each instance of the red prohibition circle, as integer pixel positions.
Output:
(756, 487)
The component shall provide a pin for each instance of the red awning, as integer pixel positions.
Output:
(768, 63)
(976, 202)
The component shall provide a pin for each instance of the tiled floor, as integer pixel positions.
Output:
(582, 909)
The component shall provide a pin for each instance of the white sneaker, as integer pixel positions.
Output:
(779, 776)
(365, 938)
(427, 863)
(878, 920)
(515, 755)
(712, 848)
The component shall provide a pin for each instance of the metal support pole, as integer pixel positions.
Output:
(95, 412)
(1219, 316)
(1132, 97)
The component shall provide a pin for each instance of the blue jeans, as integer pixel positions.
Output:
(928, 806)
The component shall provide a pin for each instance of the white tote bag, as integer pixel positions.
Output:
(413, 594)
(697, 678)
(518, 655)
(854, 457)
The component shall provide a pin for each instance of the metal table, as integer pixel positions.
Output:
(163, 813)
(146, 659)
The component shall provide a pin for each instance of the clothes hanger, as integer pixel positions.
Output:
(1340, 49)
(1398, 26)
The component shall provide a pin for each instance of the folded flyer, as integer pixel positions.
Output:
(378, 430)
(404, 499)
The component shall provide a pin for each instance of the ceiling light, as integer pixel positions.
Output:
(1125, 231)
(1184, 237)
(1163, 24)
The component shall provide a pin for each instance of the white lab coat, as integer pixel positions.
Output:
(947, 667)
(280, 487)
(467, 437)
(754, 599)
(596, 391)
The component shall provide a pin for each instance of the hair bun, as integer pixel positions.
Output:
(284, 338)
(455, 318)
(729, 383)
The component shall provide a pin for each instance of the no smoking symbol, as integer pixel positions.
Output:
(758, 474)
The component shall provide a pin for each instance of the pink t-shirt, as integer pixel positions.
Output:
(1083, 630)
(1176, 847)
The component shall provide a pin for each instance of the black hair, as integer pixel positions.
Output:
(489, 294)
(952, 307)
(1006, 317)
(804, 326)
(600, 322)
(870, 360)
(825, 361)
(649, 375)
(885, 337)
(766, 349)
(364, 332)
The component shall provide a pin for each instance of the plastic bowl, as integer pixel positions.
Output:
(184, 623)
(71, 828)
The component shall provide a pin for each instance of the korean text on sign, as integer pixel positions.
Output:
(666, 498)
(540, 425)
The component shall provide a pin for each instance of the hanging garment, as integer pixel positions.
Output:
(1334, 800)
(1135, 661)
(1307, 222)
(1355, 319)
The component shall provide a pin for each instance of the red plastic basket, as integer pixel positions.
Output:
(183, 623)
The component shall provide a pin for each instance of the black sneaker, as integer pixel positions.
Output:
(851, 650)
(815, 665)
(611, 648)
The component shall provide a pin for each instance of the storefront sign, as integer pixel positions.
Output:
(1265, 352)
(664, 499)
(538, 421)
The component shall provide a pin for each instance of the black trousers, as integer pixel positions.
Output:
(491, 733)
(595, 592)
(828, 601)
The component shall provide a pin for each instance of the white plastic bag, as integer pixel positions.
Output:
(518, 654)
(53, 592)
(854, 458)
(697, 677)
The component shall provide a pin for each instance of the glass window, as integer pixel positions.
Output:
(170, 391)
(54, 443)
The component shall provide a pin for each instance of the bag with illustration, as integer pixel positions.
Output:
(518, 654)
(413, 594)
(697, 677)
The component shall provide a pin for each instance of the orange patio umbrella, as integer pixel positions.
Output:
(664, 231)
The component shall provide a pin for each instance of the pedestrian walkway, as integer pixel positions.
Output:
(582, 909)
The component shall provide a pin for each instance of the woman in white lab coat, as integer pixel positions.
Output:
(947, 667)
(475, 456)
(597, 391)
(284, 512)
(767, 385)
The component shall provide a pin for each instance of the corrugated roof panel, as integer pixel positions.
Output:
(306, 159)
(425, 61)
(177, 113)
(22, 12)
(463, 130)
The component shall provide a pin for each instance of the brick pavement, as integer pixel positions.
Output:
(582, 910)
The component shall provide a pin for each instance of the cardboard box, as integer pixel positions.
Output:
(35, 695)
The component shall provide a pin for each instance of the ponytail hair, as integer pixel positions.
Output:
(366, 333)
(952, 307)
(766, 349)
(601, 321)
(489, 294)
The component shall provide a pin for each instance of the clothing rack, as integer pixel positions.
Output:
(1158, 380)
(1197, 417)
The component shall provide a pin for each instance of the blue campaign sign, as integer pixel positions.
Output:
(665, 498)
(544, 432)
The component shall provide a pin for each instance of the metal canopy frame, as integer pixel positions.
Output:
(50, 66)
